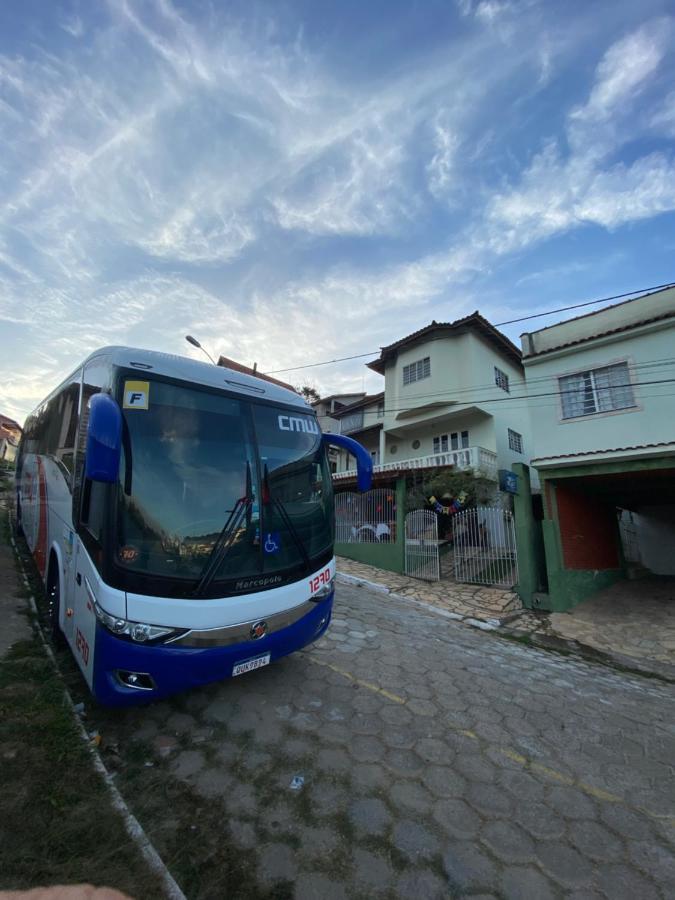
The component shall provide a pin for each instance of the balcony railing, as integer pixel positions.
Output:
(483, 462)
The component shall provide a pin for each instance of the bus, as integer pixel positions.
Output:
(181, 517)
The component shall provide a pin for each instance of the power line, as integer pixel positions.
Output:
(586, 303)
(550, 312)
(528, 397)
(660, 362)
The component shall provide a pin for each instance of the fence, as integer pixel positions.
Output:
(485, 547)
(421, 545)
(366, 518)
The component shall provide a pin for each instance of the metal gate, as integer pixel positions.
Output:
(421, 545)
(485, 546)
(366, 518)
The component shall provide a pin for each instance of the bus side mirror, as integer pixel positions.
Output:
(364, 462)
(104, 439)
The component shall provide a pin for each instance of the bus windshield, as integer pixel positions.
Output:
(194, 459)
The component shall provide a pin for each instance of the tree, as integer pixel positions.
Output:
(310, 393)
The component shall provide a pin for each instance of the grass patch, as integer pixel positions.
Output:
(57, 825)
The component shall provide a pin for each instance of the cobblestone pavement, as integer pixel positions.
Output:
(438, 761)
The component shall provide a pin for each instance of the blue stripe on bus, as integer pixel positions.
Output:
(180, 668)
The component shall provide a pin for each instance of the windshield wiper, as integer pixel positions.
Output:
(226, 538)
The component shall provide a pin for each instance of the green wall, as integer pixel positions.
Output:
(529, 541)
(390, 556)
(568, 587)
(384, 556)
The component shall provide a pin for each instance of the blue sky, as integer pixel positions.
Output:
(295, 181)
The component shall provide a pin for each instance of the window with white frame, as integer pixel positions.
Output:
(456, 440)
(515, 441)
(596, 391)
(441, 443)
(417, 371)
(502, 380)
(380, 409)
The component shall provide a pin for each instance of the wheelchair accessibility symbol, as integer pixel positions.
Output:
(272, 542)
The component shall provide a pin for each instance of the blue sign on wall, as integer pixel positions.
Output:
(508, 481)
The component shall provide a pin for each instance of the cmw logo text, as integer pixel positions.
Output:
(293, 423)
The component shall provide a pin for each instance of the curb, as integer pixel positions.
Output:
(488, 625)
(133, 827)
(662, 671)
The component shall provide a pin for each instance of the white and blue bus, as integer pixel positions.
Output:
(181, 516)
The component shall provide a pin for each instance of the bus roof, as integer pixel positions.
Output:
(197, 372)
(190, 370)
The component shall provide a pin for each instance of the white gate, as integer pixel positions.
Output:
(421, 545)
(485, 546)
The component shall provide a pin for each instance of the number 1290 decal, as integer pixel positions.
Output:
(82, 646)
(321, 578)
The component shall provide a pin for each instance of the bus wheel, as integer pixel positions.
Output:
(19, 525)
(54, 603)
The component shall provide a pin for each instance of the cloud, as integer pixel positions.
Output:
(230, 177)
(557, 191)
(440, 168)
(624, 71)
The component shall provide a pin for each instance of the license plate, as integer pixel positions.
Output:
(251, 664)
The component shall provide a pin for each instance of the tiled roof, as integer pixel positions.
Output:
(9, 423)
(367, 400)
(607, 450)
(599, 334)
(474, 321)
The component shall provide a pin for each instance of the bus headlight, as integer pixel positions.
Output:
(137, 631)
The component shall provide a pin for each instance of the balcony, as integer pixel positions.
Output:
(481, 461)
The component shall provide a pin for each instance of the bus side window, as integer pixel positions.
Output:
(86, 506)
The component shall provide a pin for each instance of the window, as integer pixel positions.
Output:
(441, 443)
(501, 380)
(417, 371)
(455, 441)
(380, 409)
(596, 391)
(515, 441)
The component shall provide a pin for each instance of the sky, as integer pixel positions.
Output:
(292, 182)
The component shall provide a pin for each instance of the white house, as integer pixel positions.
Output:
(602, 404)
(454, 394)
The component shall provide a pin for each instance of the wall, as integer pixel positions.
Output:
(588, 530)
(655, 527)
(648, 423)
(581, 542)
(508, 413)
(370, 440)
(480, 428)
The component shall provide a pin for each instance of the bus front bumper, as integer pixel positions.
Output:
(168, 669)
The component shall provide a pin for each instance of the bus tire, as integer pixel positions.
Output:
(54, 602)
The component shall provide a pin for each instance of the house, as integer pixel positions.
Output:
(10, 435)
(454, 395)
(228, 363)
(602, 402)
(326, 408)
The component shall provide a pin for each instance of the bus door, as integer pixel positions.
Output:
(80, 617)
